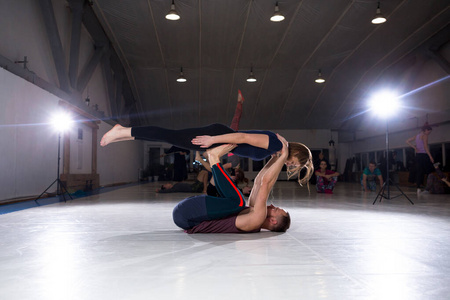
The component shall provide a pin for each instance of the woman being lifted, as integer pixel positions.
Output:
(254, 144)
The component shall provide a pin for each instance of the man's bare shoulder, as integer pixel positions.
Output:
(249, 220)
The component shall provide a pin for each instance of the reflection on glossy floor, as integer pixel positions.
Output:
(123, 245)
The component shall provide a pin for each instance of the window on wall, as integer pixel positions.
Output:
(410, 158)
(398, 160)
(244, 163)
(446, 162)
(371, 158)
(364, 161)
(436, 152)
(380, 156)
(358, 162)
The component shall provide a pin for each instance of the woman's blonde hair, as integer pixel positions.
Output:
(306, 162)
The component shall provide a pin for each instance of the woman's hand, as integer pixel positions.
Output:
(204, 141)
(285, 150)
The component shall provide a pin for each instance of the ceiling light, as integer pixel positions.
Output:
(277, 16)
(378, 19)
(251, 77)
(181, 78)
(320, 78)
(173, 15)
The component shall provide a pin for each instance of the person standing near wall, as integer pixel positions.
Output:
(424, 160)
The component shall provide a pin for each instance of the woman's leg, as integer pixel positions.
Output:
(331, 183)
(181, 138)
(237, 112)
(320, 185)
(117, 134)
(420, 168)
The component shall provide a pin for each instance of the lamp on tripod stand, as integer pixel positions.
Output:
(61, 122)
(385, 105)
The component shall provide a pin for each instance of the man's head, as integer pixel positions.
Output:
(166, 186)
(372, 166)
(277, 219)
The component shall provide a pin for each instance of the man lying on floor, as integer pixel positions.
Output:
(229, 213)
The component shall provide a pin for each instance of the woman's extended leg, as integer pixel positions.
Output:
(237, 112)
(181, 138)
(116, 134)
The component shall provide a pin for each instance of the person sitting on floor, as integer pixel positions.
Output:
(326, 179)
(199, 186)
(436, 182)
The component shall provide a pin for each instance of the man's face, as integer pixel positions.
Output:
(168, 186)
(371, 167)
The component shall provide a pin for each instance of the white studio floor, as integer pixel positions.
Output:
(123, 245)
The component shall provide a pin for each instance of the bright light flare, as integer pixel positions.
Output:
(61, 121)
(384, 104)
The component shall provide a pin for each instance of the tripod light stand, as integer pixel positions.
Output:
(60, 123)
(385, 192)
(385, 104)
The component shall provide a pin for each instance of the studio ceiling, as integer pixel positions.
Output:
(216, 42)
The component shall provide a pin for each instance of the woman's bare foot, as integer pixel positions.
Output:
(116, 134)
(214, 154)
(240, 97)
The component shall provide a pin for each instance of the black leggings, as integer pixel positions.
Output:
(181, 137)
(194, 210)
(423, 167)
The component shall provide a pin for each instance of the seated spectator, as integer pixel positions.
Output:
(325, 179)
(369, 176)
(437, 182)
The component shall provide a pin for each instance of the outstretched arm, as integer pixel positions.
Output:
(254, 139)
(264, 183)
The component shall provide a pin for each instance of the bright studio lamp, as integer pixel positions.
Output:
(61, 122)
(385, 105)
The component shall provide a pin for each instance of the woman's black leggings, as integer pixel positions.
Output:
(181, 137)
(423, 167)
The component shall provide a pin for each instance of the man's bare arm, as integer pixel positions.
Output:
(260, 193)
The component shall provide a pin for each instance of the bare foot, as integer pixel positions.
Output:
(116, 134)
(240, 97)
(214, 154)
